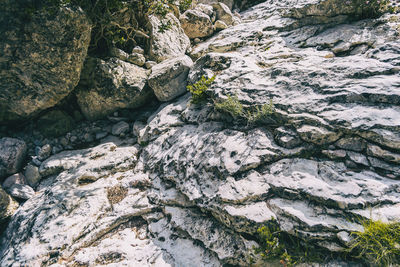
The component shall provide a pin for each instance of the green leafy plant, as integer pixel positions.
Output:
(231, 105)
(184, 5)
(260, 113)
(379, 243)
(198, 89)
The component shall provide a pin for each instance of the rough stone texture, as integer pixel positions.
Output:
(203, 183)
(167, 44)
(21, 191)
(168, 79)
(12, 155)
(220, 25)
(37, 68)
(223, 13)
(32, 175)
(109, 85)
(196, 24)
(229, 3)
(17, 178)
(8, 207)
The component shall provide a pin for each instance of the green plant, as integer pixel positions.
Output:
(198, 89)
(379, 243)
(372, 8)
(260, 113)
(184, 5)
(231, 105)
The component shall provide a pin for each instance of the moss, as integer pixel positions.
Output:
(379, 243)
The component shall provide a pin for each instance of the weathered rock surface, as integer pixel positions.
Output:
(203, 183)
(106, 86)
(37, 68)
(167, 43)
(168, 79)
(8, 207)
(12, 155)
(196, 24)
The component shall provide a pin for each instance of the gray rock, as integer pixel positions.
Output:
(44, 152)
(196, 24)
(109, 85)
(168, 79)
(32, 175)
(17, 178)
(353, 143)
(317, 135)
(219, 25)
(37, 69)
(228, 3)
(21, 191)
(150, 64)
(167, 44)
(206, 9)
(12, 155)
(55, 123)
(120, 128)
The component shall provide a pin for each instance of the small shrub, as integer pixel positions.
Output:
(379, 243)
(231, 106)
(260, 113)
(198, 89)
(184, 5)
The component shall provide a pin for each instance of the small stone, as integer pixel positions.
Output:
(119, 128)
(21, 191)
(56, 149)
(101, 135)
(64, 141)
(197, 40)
(137, 126)
(138, 50)
(12, 154)
(137, 59)
(73, 139)
(36, 161)
(219, 25)
(32, 175)
(17, 178)
(150, 64)
(44, 152)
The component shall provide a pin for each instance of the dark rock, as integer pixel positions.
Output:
(55, 123)
(37, 68)
(12, 155)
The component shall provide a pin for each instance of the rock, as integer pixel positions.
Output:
(8, 207)
(219, 25)
(55, 123)
(378, 152)
(119, 53)
(109, 85)
(21, 191)
(168, 79)
(37, 69)
(206, 9)
(150, 64)
(167, 44)
(17, 178)
(120, 128)
(317, 135)
(44, 152)
(196, 24)
(137, 59)
(32, 175)
(228, 3)
(138, 49)
(353, 143)
(12, 155)
(223, 13)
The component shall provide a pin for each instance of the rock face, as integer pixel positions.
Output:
(106, 86)
(12, 155)
(168, 79)
(166, 43)
(37, 68)
(203, 182)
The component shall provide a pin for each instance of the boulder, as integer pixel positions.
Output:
(168, 79)
(21, 191)
(17, 178)
(228, 3)
(108, 85)
(12, 155)
(37, 68)
(196, 24)
(219, 25)
(166, 43)
(223, 13)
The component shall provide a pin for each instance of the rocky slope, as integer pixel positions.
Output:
(190, 185)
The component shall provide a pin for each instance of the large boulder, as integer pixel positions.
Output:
(166, 43)
(196, 24)
(108, 85)
(12, 155)
(168, 79)
(41, 56)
